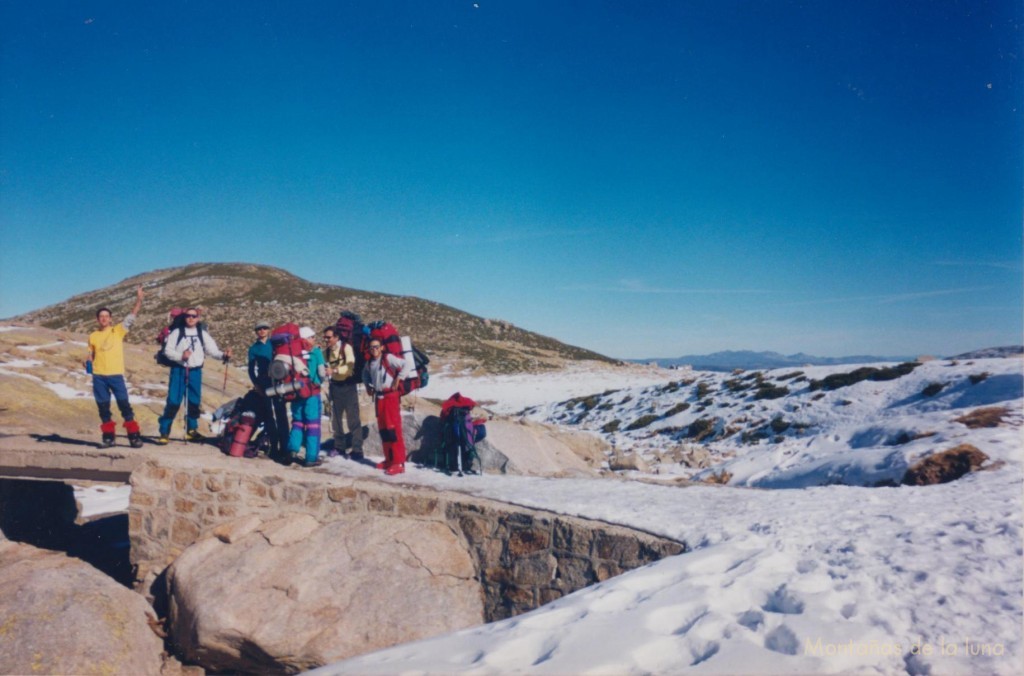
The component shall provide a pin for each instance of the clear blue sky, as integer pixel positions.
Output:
(641, 178)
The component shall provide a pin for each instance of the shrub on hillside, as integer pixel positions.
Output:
(976, 378)
(932, 389)
(769, 391)
(641, 422)
(612, 426)
(678, 408)
(701, 429)
(838, 380)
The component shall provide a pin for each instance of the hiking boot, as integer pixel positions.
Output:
(383, 465)
(134, 437)
(395, 469)
(356, 455)
(194, 435)
(109, 432)
(163, 440)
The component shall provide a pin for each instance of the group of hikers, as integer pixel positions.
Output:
(290, 369)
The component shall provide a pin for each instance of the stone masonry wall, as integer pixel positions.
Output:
(524, 558)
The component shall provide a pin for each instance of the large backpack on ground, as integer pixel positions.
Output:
(289, 371)
(240, 424)
(351, 330)
(176, 327)
(414, 375)
(460, 432)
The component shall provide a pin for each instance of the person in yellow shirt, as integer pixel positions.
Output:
(106, 362)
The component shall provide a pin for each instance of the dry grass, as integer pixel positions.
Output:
(990, 416)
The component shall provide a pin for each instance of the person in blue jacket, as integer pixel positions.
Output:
(273, 411)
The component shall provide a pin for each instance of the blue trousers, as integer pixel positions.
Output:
(176, 391)
(306, 427)
(103, 387)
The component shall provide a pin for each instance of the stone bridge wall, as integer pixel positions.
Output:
(524, 558)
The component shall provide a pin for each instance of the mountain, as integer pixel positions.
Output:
(993, 353)
(729, 360)
(235, 295)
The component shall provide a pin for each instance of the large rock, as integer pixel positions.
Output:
(512, 446)
(290, 594)
(59, 615)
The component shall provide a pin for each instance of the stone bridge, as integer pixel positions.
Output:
(523, 557)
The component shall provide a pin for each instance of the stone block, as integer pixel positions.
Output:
(575, 573)
(182, 481)
(572, 539)
(616, 547)
(606, 570)
(184, 506)
(535, 571)
(256, 488)
(184, 532)
(475, 528)
(381, 503)
(416, 505)
(214, 484)
(342, 494)
(140, 499)
(315, 498)
(526, 541)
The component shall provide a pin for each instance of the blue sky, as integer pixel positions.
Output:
(640, 178)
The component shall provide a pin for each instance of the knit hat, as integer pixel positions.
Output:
(306, 332)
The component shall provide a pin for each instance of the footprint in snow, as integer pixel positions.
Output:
(782, 640)
(784, 602)
(675, 619)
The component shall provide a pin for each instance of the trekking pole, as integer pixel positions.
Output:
(224, 389)
(184, 406)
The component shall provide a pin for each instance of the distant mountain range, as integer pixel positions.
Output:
(746, 359)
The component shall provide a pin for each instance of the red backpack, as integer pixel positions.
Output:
(289, 371)
(414, 375)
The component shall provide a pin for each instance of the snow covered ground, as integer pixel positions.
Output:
(789, 571)
(815, 579)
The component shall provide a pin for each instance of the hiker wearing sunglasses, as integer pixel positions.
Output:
(106, 364)
(186, 349)
(381, 379)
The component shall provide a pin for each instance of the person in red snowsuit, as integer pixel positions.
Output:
(382, 382)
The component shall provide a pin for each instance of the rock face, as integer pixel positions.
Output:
(59, 615)
(290, 595)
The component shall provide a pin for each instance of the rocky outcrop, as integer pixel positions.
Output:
(59, 615)
(292, 594)
(512, 446)
(946, 466)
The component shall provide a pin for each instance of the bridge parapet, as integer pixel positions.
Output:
(524, 558)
